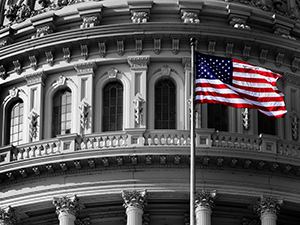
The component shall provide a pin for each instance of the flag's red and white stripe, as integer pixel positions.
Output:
(252, 87)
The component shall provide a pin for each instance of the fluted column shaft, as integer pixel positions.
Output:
(204, 203)
(268, 210)
(134, 202)
(66, 218)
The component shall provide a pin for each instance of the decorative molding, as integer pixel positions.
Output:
(229, 49)
(85, 68)
(42, 31)
(8, 216)
(50, 59)
(135, 199)
(84, 51)
(146, 219)
(205, 199)
(246, 52)
(138, 46)
(35, 78)
(3, 73)
(120, 47)
(294, 125)
(89, 21)
(157, 45)
(102, 48)
(17, 67)
(112, 73)
(175, 45)
(291, 79)
(239, 23)
(139, 17)
(211, 47)
(33, 62)
(67, 54)
(190, 17)
(246, 118)
(263, 55)
(138, 101)
(67, 204)
(84, 113)
(279, 59)
(33, 124)
(267, 205)
(283, 32)
(138, 62)
(61, 80)
(295, 64)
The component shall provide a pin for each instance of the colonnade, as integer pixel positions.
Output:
(68, 207)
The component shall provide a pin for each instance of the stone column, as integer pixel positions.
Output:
(8, 216)
(67, 209)
(134, 203)
(268, 210)
(204, 202)
(35, 84)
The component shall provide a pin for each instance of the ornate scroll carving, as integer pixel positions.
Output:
(67, 54)
(33, 62)
(246, 118)
(84, 113)
(267, 205)
(84, 51)
(112, 73)
(211, 47)
(135, 199)
(263, 55)
(285, 33)
(43, 30)
(120, 47)
(138, 46)
(3, 73)
(190, 17)
(239, 23)
(89, 21)
(157, 45)
(139, 17)
(67, 204)
(17, 66)
(279, 59)
(205, 199)
(246, 52)
(295, 64)
(229, 49)
(102, 48)
(175, 46)
(138, 107)
(50, 58)
(8, 216)
(294, 125)
(33, 124)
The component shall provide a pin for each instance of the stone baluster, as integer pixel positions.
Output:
(204, 202)
(268, 209)
(134, 203)
(8, 216)
(67, 208)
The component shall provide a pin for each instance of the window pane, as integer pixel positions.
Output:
(16, 123)
(266, 125)
(165, 104)
(112, 118)
(217, 117)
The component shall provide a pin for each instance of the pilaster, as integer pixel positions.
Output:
(268, 210)
(35, 84)
(186, 63)
(204, 202)
(67, 208)
(134, 203)
(139, 67)
(85, 73)
(8, 216)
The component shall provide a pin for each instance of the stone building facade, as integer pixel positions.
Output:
(95, 119)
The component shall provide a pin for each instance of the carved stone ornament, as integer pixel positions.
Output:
(35, 78)
(139, 17)
(205, 199)
(67, 54)
(138, 46)
(3, 73)
(190, 17)
(157, 45)
(295, 64)
(250, 222)
(112, 73)
(211, 47)
(268, 205)
(61, 80)
(84, 113)
(246, 118)
(138, 107)
(263, 55)
(246, 52)
(8, 216)
(85, 67)
(17, 66)
(229, 49)
(89, 21)
(67, 204)
(102, 49)
(135, 199)
(138, 62)
(14, 92)
(50, 58)
(43, 30)
(85, 221)
(120, 47)
(294, 125)
(186, 62)
(33, 62)
(239, 23)
(84, 51)
(33, 124)
(165, 70)
(283, 33)
(279, 59)
(175, 46)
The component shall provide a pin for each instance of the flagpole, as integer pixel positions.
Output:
(192, 150)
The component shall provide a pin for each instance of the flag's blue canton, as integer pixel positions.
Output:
(209, 67)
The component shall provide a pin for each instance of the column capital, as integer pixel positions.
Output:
(85, 68)
(67, 204)
(35, 78)
(8, 216)
(267, 205)
(205, 199)
(138, 62)
(135, 198)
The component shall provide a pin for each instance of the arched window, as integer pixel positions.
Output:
(266, 125)
(112, 117)
(61, 112)
(217, 117)
(165, 104)
(15, 126)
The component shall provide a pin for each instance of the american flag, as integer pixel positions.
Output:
(238, 84)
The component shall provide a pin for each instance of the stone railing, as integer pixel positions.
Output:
(205, 138)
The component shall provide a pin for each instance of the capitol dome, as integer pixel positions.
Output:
(95, 112)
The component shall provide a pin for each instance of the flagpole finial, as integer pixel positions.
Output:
(192, 40)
